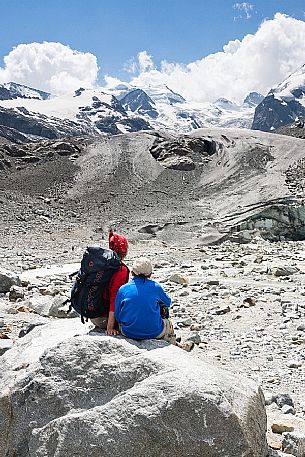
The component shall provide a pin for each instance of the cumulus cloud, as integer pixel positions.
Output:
(256, 63)
(143, 63)
(245, 8)
(52, 67)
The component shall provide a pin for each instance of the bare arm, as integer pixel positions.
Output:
(110, 325)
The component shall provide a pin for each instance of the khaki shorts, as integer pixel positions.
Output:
(100, 322)
(168, 333)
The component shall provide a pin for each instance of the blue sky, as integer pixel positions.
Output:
(202, 49)
(116, 30)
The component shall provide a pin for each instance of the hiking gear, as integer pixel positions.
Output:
(87, 295)
(118, 243)
(137, 308)
(142, 266)
(164, 311)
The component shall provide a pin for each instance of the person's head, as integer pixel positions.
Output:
(118, 244)
(142, 267)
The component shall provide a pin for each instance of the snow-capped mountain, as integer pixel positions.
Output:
(283, 104)
(84, 112)
(165, 109)
(119, 110)
(11, 91)
(139, 102)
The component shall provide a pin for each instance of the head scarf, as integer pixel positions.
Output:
(118, 243)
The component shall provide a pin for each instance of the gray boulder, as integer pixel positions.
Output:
(285, 271)
(46, 305)
(66, 392)
(8, 279)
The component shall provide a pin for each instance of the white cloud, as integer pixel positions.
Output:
(145, 61)
(245, 8)
(142, 64)
(256, 63)
(52, 67)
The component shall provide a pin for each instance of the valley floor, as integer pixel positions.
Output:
(242, 305)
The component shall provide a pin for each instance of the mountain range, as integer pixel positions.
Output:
(27, 113)
(37, 114)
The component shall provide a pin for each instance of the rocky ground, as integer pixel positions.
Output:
(242, 305)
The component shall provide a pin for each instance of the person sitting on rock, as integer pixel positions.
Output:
(118, 244)
(137, 306)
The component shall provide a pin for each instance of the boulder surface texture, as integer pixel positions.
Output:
(65, 392)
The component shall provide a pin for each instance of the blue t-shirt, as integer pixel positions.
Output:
(137, 308)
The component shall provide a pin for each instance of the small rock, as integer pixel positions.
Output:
(212, 282)
(186, 322)
(294, 364)
(258, 259)
(286, 409)
(250, 301)
(285, 271)
(27, 329)
(203, 345)
(222, 310)
(282, 399)
(179, 279)
(24, 309)
(294, 443)
(281, 427)
(5, 345)
(194, 337)
(184, 293)
(196, 327)
(15, 293)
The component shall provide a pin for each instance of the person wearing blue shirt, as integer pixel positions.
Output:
(137, 306)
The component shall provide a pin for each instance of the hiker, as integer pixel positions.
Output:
(118, 244)
(137, 306)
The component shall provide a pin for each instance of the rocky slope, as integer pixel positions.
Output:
(295, 129)
(207, 187)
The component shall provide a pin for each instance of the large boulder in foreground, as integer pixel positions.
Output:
(65, 392)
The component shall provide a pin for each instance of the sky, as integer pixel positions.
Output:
(204, 49)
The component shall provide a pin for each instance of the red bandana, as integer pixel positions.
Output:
(118, 243)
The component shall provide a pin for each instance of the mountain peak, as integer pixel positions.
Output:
(11, 90)
(253, 99)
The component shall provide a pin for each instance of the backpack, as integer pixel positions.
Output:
(87, 295)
